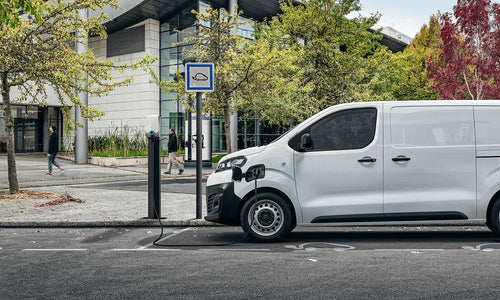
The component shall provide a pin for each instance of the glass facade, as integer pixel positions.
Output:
(172, 34)
(173, 113)
(29, 126)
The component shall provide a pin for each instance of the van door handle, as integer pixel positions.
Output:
(401, 158)
(367, 159)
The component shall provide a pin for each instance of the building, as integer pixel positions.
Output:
(145, 27)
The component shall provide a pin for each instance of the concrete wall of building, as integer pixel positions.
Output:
(127, 107)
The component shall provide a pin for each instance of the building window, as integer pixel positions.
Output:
(126, 41)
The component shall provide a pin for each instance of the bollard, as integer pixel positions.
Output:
(154, 176)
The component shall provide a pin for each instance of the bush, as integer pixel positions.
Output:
(217, 158)
(119, 144)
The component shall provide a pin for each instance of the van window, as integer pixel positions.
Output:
(431, 126)
(487, 125)
(344, 130)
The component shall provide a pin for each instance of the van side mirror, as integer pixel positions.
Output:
(237, 173)
(306, 142)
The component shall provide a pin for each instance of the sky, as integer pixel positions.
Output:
(406, 16)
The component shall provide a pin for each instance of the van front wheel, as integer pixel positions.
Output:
(269, 218)
(494, 224)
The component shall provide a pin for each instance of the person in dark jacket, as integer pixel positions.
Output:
(53, 149)
(172, 148)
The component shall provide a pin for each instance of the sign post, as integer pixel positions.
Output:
(199, 79)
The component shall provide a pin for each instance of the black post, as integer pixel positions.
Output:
(154, 195)
(199, 141)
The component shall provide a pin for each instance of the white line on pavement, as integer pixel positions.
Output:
(54, 250)
(144, 249)
(406, 250)
(242, 250)
(175, 233)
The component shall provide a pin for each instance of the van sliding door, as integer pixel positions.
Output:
(429, 162)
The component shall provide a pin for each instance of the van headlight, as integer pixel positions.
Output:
(229, 163)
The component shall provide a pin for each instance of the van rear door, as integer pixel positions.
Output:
(429, 162)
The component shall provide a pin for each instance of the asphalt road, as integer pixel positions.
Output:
(311, 263)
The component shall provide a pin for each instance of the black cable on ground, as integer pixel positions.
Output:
(247, 234)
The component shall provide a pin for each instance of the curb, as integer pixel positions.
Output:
(135, 223)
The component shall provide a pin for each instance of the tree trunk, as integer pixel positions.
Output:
(9, 130)
(227, 131)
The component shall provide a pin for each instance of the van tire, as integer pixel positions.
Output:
(268, 219)
(494, 223)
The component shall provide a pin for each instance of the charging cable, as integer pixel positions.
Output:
(256, 173)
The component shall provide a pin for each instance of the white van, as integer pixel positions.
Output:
(425, 161)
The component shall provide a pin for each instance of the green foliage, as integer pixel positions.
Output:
(415, 84)
(38, 57)
(118, 143)
(10, 11)
(310, 57)
(215, 41)
(217, 158)
(402, 75)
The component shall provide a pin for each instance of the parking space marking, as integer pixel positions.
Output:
(408, 250)
(329, 246)
(144, 249)
(240, 250)
(54, 249)
(482, 247)
(175, 233)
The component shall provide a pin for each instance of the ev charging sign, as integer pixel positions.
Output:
(199, 77)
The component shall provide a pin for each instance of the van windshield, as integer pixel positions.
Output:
(286, 132)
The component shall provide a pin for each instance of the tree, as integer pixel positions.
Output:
(215, 40)
(37, 57)
(12, 10)
(335, 47)
(276, 94)
(468, 66)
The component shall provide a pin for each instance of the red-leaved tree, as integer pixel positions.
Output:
(469, 65)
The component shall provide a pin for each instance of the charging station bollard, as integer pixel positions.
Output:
(154, 176)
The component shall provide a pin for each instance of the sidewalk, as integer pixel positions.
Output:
(103, 205)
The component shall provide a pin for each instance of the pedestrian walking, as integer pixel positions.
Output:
(172, 149)
(53, 149)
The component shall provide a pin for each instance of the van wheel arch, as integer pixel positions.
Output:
(272, 191)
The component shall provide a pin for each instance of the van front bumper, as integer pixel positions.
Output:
(222, 204)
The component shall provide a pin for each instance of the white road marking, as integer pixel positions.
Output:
(175, 233)
(54, 250)
(480, 247)
(408, 250)
(241, 250)
(144, 249)
(329, 246)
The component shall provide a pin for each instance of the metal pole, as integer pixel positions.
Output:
(190, 132)
(199, 140)
(233, 118)
(82, 133)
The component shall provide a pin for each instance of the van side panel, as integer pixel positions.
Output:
(429, 160)
(488, 155)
